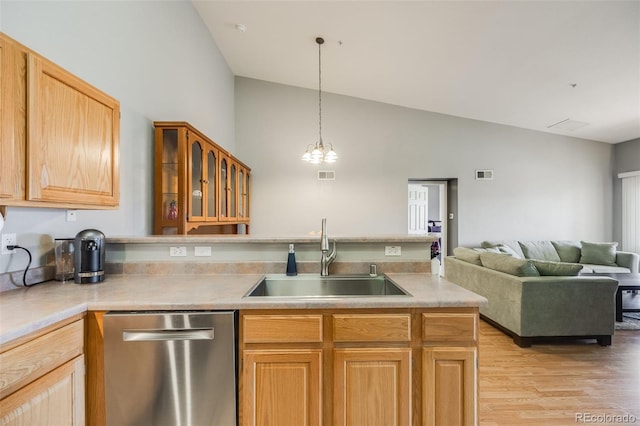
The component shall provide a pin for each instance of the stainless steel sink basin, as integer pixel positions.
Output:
(332, 286)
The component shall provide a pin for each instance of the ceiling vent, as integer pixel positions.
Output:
(568, 125)
(484, 174)
(326, 175)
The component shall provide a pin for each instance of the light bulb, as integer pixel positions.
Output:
(331, 156)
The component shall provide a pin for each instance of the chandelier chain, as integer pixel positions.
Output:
(320, 90)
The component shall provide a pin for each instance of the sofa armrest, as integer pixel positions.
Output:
(556, 306)
(628, 260)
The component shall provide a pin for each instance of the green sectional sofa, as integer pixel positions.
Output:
(539, 290)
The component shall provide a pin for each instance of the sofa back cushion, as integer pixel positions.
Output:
(467, 255)
(569, 251)
(539, 250)
(599, 253)
(546, 268)
(509, 264)
(507, 246)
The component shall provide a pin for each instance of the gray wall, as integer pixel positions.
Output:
(546, 186)
(159, 60)
(627, 159)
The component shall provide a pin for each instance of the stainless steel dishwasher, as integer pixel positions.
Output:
(170, 368)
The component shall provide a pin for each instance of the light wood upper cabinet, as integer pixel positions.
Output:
(13, 119)
(62, 134)
(73, 139)
(198, 188)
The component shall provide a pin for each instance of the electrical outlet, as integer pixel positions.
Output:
(202, 251)
(71, 215)
(177, 251)
(8, 240)
(393, 250)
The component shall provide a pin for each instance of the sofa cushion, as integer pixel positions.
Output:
(603, 269)
(569, 251)
(508, 250)
(599, 253)
(509, 264)
(558, 269)
(539, 250)
(505, 247)
(468, 255)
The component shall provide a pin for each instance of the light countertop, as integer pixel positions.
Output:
(23, 311)
(244, 239)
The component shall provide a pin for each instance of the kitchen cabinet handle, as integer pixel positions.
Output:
(163, 335)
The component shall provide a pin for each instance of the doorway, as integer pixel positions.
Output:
(433, 204)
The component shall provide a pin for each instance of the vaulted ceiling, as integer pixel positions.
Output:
(528, 64)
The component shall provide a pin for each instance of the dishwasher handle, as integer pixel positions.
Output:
(167, 335)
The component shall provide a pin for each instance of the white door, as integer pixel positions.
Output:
(418, 209)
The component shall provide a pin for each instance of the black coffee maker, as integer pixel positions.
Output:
(89, 248)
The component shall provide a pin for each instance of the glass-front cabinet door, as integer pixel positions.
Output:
(228, 181)
(168, 175)
(224, 187)
(196, 181)
(210, 184)
(233, 190)
(204, 189)
(243, 193)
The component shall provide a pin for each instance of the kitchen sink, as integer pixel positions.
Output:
(313, 286)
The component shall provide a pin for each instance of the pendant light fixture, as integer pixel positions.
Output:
(315, 153)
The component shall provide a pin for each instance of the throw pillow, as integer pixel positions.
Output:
(467, 255)
(599, 253)
(569, 251)
(509, 264)
(539, 250)
(560, 269)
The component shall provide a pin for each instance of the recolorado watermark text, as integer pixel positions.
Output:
(604, 418)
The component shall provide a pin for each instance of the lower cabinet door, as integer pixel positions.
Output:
(450, 386)
(372, 386)
(56, 398)
(282, 387)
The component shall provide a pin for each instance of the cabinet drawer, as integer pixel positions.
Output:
(282, 328)
(372, 328)
(25, 363)
(449, 327)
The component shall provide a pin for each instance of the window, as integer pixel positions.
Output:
(630, 211)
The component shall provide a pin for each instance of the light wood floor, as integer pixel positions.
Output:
(552, 384)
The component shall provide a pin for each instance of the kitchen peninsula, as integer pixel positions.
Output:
(426, 344)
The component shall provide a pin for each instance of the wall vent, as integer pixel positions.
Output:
(326, 175)
(568, 125)
(484, 174)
